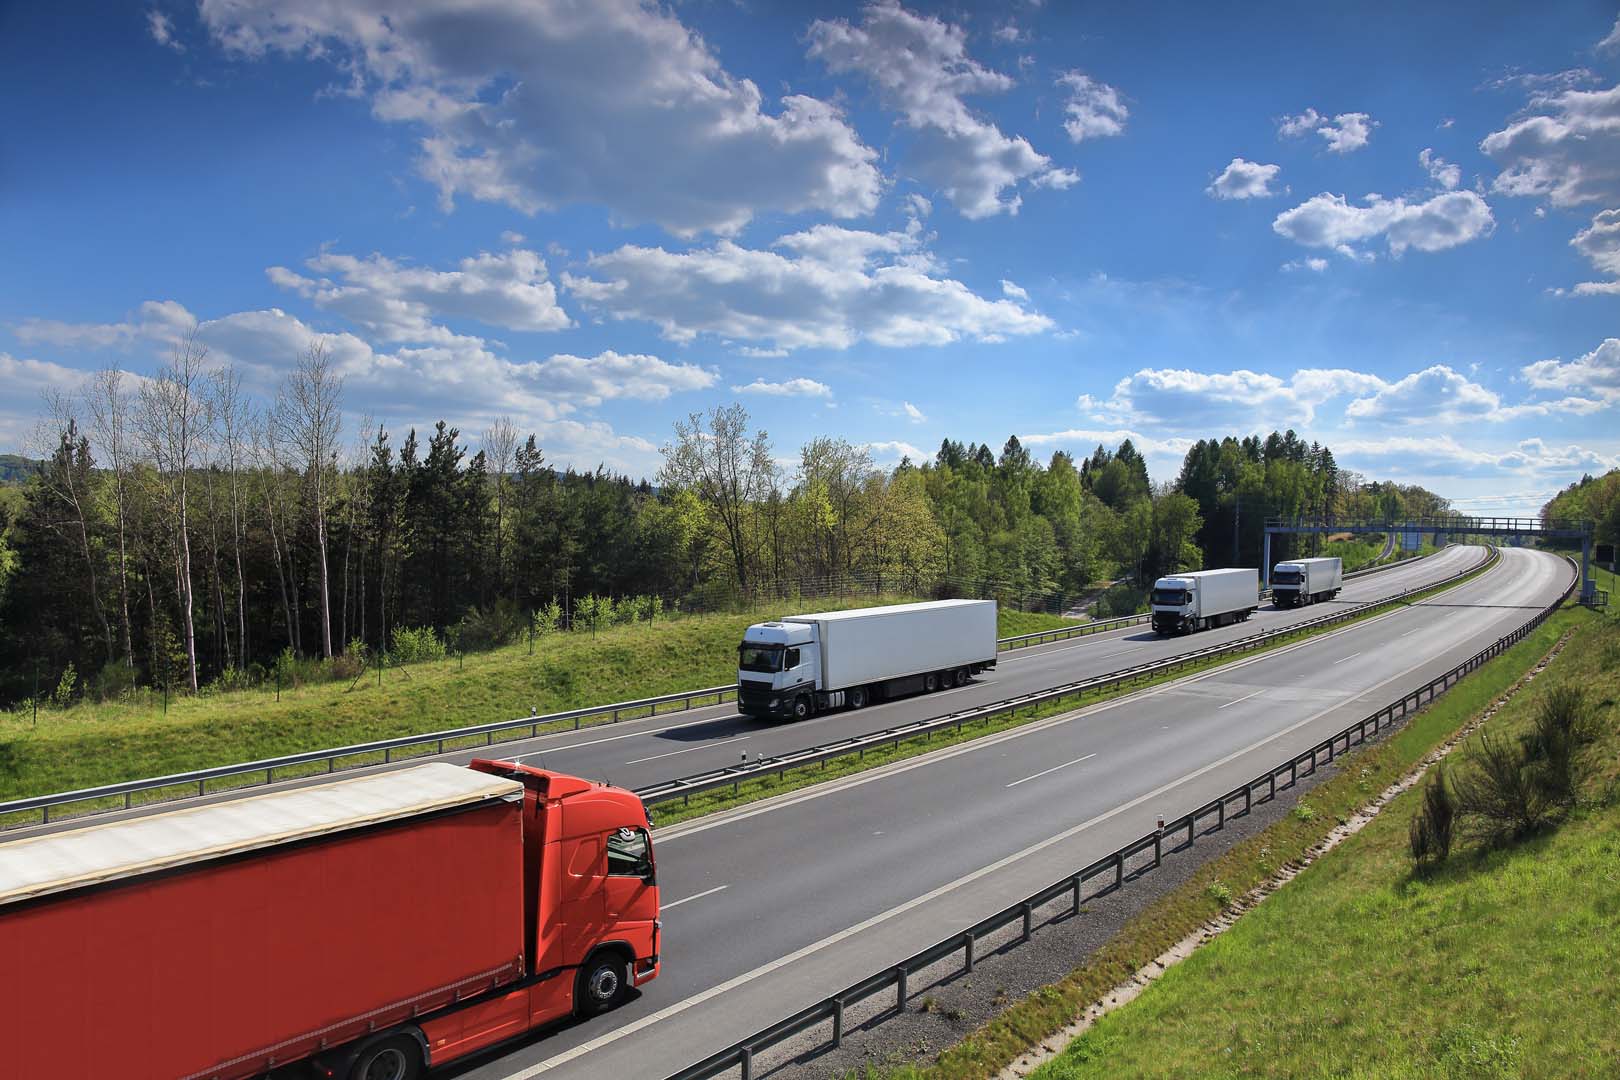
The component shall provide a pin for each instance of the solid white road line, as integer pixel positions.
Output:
(1053, 769)
(694, 896)
(1240, 700)
(1342, 659)
(689, 749)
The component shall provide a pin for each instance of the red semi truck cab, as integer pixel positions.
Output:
(370, 927)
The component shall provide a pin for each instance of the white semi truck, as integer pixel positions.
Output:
(1306, 581)
(1183, 603)
(802, 664)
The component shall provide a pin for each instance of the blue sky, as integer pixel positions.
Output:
(1397, 232)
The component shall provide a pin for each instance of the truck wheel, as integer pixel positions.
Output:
(398, 1057)
(801, 708)
(930, 683)
(961, 677)
(602, 984)
(857, 698)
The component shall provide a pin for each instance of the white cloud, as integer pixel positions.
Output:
(26, 382)
(787, 388)
(399, 302)
(539, 105)
(1596, 373)
(1444, 456)
(1436, 393)
(162, 30)
(888, 454)
(1193, 400)
(1600, 243)
(1313, 264)
(1093, 109)
(512, 238)
(1009, 33)
(915, 414)
(1442, 222)
(609, 375)
(1569, 151)
(1344, 133)
(921, 70)
(1611, 42)
(1013, 292)
(1439, 169)
(1244, 180)
(826, 287)
(156, 320)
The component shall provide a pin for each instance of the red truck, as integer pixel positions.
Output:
(365, 929)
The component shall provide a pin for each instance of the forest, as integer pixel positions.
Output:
(171, 531)
(1591, 498)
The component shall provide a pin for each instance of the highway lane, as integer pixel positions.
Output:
(642, 753)
(635, 753)
(775, 905)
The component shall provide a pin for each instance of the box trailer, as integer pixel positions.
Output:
(1183, 603)
(1306, 581)
(802, 664)
(369, 927)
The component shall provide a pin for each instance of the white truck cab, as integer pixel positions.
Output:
(777, 664)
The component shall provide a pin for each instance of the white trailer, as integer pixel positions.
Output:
(802, 664)
(1183, 603)
(1306, 581)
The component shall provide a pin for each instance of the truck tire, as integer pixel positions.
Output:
(801, 708)
(857, 697)
(398, 1057)
(930, 683)
(961, 676)
(603, 982)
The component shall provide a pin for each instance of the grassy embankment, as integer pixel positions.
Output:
(1499, 963)
(1279, 1033)
(91, 744)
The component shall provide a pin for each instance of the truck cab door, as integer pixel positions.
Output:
(631, 886)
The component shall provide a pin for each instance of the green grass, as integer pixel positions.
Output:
(1610, 583)
(1499, 964)
(1013, 623)
(1185, 908)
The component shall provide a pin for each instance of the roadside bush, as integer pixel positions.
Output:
(546, 620)
(1498, 793)
(228, 680)
(413, 645)
(488, 629)
(348, 664)
(1552, 743)
(114, 680)
(1120, 600)
(1431, 830)
(62, 697)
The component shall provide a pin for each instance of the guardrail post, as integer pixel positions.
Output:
(1028, 917)
(746, 1060)
(967, 958)
(1158, 844)
(900, 993)
(1076, 902)
(1220, 818)
(838, 1023)
(1119, 870)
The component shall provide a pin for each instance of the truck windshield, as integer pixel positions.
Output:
(1286, 576)
(1170, 597)
(628, 853)
(759, 657)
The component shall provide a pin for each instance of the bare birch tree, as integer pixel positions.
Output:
(500, 444)
(173, 420)
(62, 446)
(232, 421)
(110, 429)
(308, 423)
(714, 458)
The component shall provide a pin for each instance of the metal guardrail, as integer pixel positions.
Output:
(195, 783)
(1114, 869)
(733, 776)
(431, 742)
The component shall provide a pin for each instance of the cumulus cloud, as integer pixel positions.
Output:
(1012, 291)
(1093, 109)
(920, 68)
(826, 287)
(914, 414)
(155, 320)
(1443, 455)
(542, 104)
(1600, 243)
(1442, 222)
(1244, 180)
(1611, 42)
(1439, 169)
(1567, 151)
(1597, 373)
(27, 381)
(787, 388)
(889, 453)
(1435, 393)
(1313, 264)
(1343, 133)
(399, 302)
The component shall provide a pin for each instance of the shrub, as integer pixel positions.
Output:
(1305, 812)
(1432, 828)
(490, 628)
(412, 645)
(1498, 793)
(348, 664)
(62, 697)
(1122, 599)
(1220, 892)
(546, 620)
(1558, 732)
(114, 680)
(228, 680)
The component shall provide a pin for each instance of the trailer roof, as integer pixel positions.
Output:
(41, 865)
(886, 609)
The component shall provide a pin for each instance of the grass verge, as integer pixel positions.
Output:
(1190, 905)
(789, 780)
(1500, 963)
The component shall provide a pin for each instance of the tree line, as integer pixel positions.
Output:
(172, 531)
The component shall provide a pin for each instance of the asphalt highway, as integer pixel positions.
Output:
(773, 906)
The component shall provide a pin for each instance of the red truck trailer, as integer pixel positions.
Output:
(364, 929)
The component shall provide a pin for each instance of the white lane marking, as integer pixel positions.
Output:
(1409, 633)
(695, 896)
(1342, 659)
(1053, 769)
(1242, 699)
(689, 749)
(900, 909)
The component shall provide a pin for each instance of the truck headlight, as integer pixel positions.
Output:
(775, 701)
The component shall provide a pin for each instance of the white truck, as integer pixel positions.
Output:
(1183, 603)
(1306, 581)
(802, 664)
